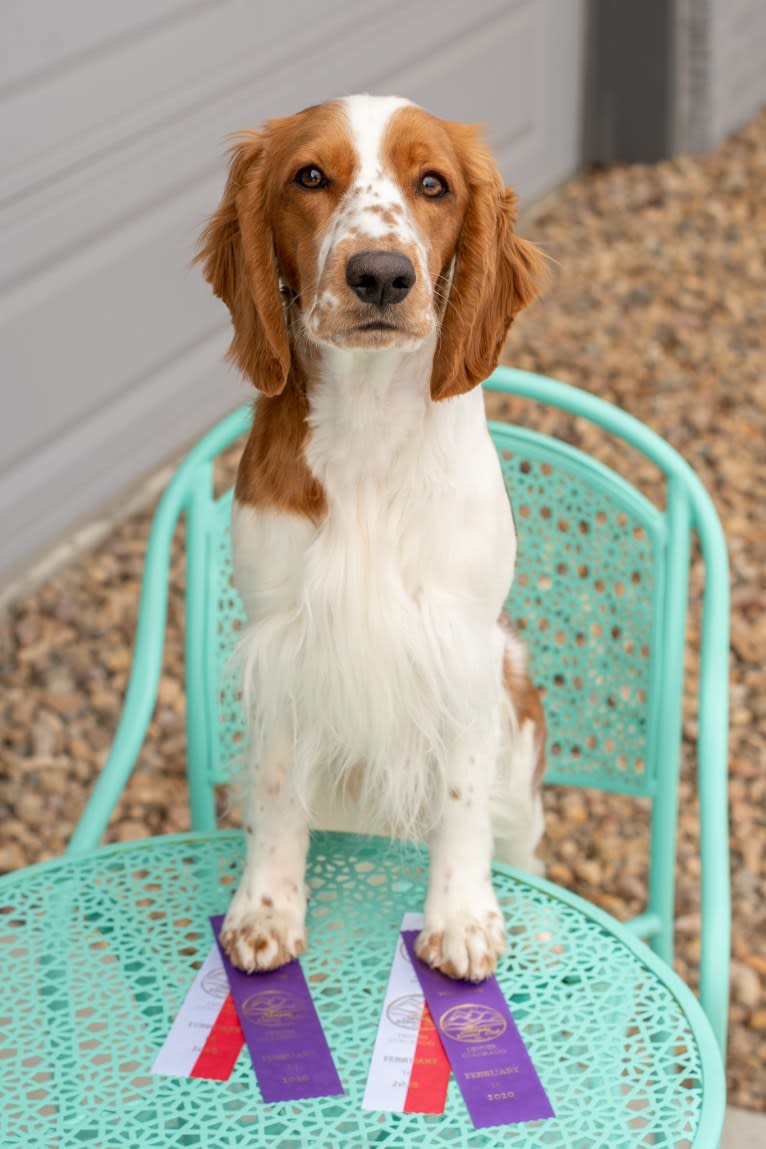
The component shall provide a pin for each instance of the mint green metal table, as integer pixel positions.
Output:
(97, 951)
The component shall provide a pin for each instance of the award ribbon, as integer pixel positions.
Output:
(282, 1030)
(206, 1037)
(427, 1089)
(222, 1046)
(409, 1071)
(498, 1081)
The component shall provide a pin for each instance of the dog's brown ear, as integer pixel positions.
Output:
(496, 274)
(237, 255)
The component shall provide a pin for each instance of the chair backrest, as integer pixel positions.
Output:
(587, 597)
(596, 596)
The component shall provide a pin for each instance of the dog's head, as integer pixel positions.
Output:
(367, 223)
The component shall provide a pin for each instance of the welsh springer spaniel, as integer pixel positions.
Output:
(366, 252)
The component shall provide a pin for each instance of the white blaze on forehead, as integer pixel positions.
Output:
(373, 186)
(369, 117)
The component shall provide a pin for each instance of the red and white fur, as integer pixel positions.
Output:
(373, 540)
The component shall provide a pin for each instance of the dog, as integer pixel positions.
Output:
(367, 254)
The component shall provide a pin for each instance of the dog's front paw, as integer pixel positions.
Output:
(265, 936)
(466, 946)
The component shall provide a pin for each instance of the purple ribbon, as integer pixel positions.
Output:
(284, 1035)
(498, 1081)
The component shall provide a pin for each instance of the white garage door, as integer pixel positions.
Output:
(112, 119)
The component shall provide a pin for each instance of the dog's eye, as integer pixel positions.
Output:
(311, 177)
(433, 185)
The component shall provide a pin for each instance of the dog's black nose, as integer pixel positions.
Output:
(380, 277)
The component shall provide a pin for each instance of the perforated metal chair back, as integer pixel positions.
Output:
(600, 595)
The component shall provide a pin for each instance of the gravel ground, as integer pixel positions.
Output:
(657, 304)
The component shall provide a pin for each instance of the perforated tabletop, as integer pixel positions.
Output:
(97, 954)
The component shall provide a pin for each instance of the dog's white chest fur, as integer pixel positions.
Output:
(374, 634)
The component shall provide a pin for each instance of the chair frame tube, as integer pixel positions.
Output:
(689, 507)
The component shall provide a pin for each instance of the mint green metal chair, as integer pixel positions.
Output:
(601, 590)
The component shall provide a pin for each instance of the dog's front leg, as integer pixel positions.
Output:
(463, 933)
(265, 925)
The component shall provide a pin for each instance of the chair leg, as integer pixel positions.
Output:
(662, 877)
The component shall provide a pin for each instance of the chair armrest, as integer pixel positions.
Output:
(141, 697)
(145, 673)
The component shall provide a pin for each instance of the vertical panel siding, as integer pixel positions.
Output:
(113, 120)
(737, 63)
